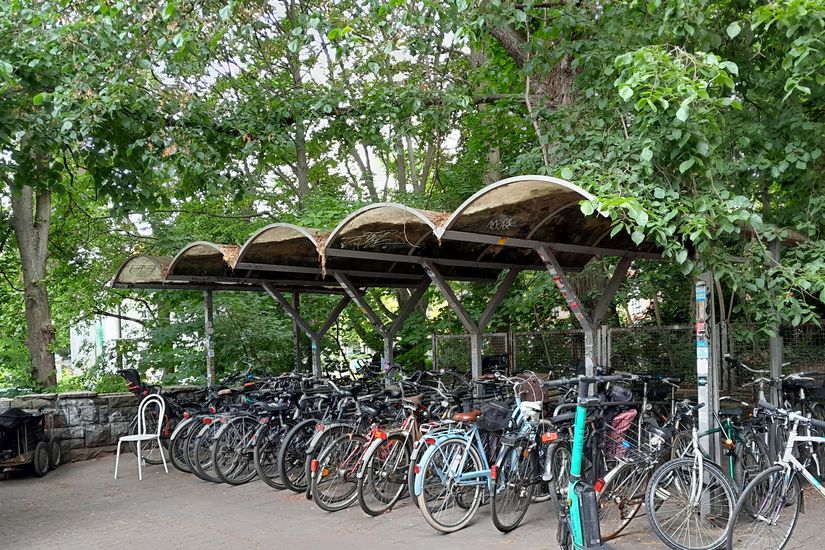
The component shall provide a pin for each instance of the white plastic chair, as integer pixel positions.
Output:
(141, 434)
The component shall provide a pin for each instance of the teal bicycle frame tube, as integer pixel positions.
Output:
(576, 469)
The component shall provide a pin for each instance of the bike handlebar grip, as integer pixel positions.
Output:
(818, 423)
(698, 406)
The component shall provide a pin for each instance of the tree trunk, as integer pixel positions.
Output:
(31, 217)
(400, 164)
(301, 162)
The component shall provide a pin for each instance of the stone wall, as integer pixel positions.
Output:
(86, 423)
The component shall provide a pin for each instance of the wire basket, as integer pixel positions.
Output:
(624, 442)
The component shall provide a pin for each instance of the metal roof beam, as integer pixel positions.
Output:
(451, 262)
(314, 335)
(606, 298)
(556, 247)
(319, 271)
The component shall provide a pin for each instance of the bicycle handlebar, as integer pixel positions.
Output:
(794, 416)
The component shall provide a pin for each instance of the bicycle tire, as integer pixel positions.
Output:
(757, 497)
(202, 453)
(621, 497)
(177, 448)
(751, 459)
(265, 454)
(514, 487)
(667, 481)
(232, 451)
(438, 459)
(387, 462)
(292, 454)
(334, 484)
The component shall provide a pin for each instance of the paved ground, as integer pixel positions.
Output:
(81, 506)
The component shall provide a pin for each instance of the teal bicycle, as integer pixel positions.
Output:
(577, 505)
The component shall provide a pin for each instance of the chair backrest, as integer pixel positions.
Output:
(151, 404)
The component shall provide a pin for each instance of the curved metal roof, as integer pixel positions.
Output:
(203, 259)
(384, 244)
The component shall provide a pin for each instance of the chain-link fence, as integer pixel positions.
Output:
(452, 351)
(668, 349)
(559, 351)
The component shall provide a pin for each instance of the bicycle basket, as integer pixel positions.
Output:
(495, 416)
(658, 392)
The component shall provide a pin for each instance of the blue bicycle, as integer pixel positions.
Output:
(456, 472)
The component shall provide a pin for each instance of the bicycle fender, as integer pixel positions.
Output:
(362, 467)
(181, 425)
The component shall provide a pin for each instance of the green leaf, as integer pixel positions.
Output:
(659, 193)
(168, 11)
(681, 256)
(625, 92)
(646, 155)
(733, 29)
(566, 173)
(702, 148)
(225, 12)
(587, 208)
(683, 113)
(685, 166)
(687, 267)
(637, 237)
(38, 99)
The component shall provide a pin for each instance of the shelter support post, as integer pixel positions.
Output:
(388, 333)
(315, 336)
(707, 363)
(296, 333)
(595, 338)
(475, 329)
(775, 346)
(210, 337)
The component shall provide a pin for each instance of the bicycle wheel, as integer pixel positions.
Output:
(291, 456)
(334, 482)
(384, 481)
(686, 512)
(451, 504)
(751, 458)
(681, 444)
(201, 453)
(767, 511)
(265, 454)
(560, 458)
(513, 490)
(232, 451)
(620, 497)
(177, 446)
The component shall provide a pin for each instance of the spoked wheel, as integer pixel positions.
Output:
(201, 462)
(620, 498)
(291, 456)
(513, 490)
(384, 480)
(751, 458)
(265, 453)
(177, 446)
(232, 451)
(766, 512)
(334, 481)
(688, 511)
(447, 503)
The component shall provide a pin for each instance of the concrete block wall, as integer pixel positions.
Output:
(87, 424)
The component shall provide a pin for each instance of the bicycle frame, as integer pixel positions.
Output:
(790, 462)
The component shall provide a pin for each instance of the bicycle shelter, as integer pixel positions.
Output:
(520, 223)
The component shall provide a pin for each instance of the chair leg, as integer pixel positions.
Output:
(117, 458)
(160, 447)
(140, 465)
